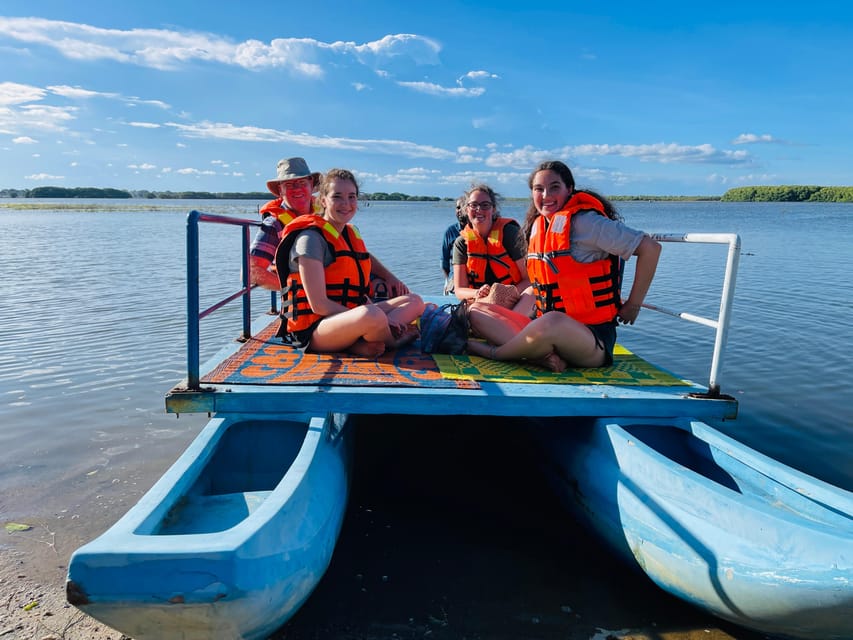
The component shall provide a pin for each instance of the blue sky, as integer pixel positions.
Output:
(424, 98)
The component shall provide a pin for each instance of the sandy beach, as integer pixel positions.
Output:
(32, 593)
(435, 545)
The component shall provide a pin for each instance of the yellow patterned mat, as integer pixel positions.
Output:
(628, 370)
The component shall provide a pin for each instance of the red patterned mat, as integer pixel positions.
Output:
(263, 359)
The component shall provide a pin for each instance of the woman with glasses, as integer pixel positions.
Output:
(575, 248)
(488, 252)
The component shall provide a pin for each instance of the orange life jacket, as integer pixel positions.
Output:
(347, 277)
(276, 208)
(490, 252)
(588, 292)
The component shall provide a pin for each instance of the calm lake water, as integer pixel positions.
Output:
(93, 317)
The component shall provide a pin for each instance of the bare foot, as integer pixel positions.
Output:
(480, 348)
(372, 349)
(553, 362)
(409, 333)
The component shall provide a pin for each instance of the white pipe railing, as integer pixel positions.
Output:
(721, 324)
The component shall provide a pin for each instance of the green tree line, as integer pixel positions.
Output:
(781, 193)
(94, 192)
(789, 193)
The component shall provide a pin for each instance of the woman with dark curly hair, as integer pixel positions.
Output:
(576, 246)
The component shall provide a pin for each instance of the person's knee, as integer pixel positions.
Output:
(416, 302)
(374, 315)
(553, 321)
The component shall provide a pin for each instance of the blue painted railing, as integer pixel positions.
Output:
(194, 315)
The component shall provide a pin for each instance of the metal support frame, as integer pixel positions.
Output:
(194, 316)
(721, 324)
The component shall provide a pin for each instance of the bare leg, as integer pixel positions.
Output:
(343, 331)
(403, 309)
(525, 303)
(358, 330)
(404, 334)
(499, 325)
(367, 349)
(555, 333)
(495, 323)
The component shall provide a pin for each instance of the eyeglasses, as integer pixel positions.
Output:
(481, 206)
(299, 183)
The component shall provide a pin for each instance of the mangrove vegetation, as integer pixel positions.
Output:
(789, 193)
(778, 193)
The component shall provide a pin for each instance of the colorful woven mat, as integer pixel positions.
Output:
(628, 370)
(264, 359)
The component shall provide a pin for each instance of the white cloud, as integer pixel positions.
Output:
(79, 93)
(21, 107)
(35, 117)
(144, 125)
(751, 138)
(225, 131)
(467, 158)
(134, 101)
(195, 172)
(664, 153)
(433, 89)
(170, 49)
(478, 75)
(524, 157)
(423, 51)
(483, 122)
(16, 93)
(24, 140)
(292, 53)
(40, 177)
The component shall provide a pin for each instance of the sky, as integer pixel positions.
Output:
(425, 98)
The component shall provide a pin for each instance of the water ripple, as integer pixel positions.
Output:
(88, 352)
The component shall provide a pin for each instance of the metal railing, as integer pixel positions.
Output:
(721, 324)
(194, 315)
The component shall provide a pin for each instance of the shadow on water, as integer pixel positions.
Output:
(452, 532)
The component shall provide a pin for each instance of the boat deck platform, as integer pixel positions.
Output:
(263, 376)
(260, 375)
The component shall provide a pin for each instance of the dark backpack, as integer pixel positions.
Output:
(444, 329)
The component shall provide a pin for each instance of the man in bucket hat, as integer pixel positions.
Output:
(292, 171)
(294, 185)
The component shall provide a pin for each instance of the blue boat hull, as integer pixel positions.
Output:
(230, 541)
(712, 521)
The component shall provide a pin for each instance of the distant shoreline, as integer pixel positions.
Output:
(782, 193)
